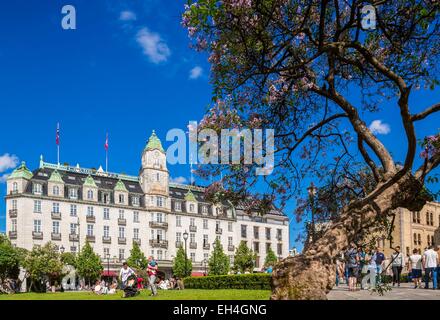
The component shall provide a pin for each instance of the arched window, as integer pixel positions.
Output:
(56, 190)
(431, 217)
(90, 194)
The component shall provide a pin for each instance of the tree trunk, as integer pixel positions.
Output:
(311, 275)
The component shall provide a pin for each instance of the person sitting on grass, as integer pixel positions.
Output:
(113, 288)
(98, 288)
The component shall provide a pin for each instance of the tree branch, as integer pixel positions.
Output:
(422, 115)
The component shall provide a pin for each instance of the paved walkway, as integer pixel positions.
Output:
(405, 292)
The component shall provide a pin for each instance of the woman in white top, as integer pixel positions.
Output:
(415, 268)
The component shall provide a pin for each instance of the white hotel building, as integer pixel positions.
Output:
(70, 205)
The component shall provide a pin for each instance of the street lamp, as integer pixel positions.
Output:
(312, 192)
(62, 251)
(185, 237)
(79, 237)
(108, 265)
(205, 263)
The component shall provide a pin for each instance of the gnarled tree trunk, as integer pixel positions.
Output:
(311, 275)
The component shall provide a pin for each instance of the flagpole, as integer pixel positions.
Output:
(58, 143)
(106, 161)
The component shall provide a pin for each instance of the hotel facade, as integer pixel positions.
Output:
(71, 205)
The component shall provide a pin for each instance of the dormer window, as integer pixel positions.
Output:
(205, 209)
(15, 187)
(90, 195)
(56, 191)
(121, 198)
(135, 200)
(177, 206)
(73, 193)
(191, 207)
(37, 188)
(106, 198)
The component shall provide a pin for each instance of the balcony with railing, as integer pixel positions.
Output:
(206, 246)
(90, 219)
(73, 237)
(193, 245)
(179, 244)
(13, 213)
(12, 234)
(231, 248)
(219, 231)
(122, 221)
(137, 240)
(107, 240)
(56, 215)
(37, 235)
(122, 240)
(56, 236)
(161, 225)
(192, 228)
(159, 243)
(90, 238)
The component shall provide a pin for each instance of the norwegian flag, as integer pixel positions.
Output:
(106, 143)
(57, 139)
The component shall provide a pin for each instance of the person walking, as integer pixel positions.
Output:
(430, 264)
(380, 258)
(415, 268)
(397, 264)
(370, 264)
(352, 258)
(152, 275)
(125, 272)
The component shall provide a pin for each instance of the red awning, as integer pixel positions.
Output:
(197, 274)
(109, 274)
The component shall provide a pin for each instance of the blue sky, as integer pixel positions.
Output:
(127, 69)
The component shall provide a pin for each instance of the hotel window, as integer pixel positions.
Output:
(191, 207)
(56, 190)
(135, 216)
(159, 217)
(121, 232)
(106, 198)
(279, 235)
(419, 239)
(415, 238)
(73, 249)
(205, 209)
(178, 236)
(229, 226)
(15, 187)
(205, 240)
(159, 255)
(135, 233)
(14, 204)
(73, 210)
(90, 230)
(219, 238)
(159, 235)
(205, 223)
(106, 214)
(431, 216)
(135, 201)
(268, 234)
(192, 237)
(178, 206)
(73, 193)
(90, 211)
(256, 233)
(55, 226)
(14, 225)
(121, 254)
(159, 201)
(192, 222)
(73, 228)
(106, 252)
(193, 257)
(243, 231)
(256, 247)
(37, 225)
(178, 221)
(121, 214)
(56, 207)
(230, 243)
(268, 247)
(37, 188)
(37, 206)
(106, 231)
(90, 195)
(279, 249)
(217, 226)
(121, 198)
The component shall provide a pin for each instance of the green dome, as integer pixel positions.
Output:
(190, 196)
(21, 172)
(120, 186)
(90, 182)
(56, 177)
(154, 143)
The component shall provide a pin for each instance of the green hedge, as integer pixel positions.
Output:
(255, 281)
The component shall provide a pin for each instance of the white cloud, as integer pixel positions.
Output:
(181, 180)
(7, 162)
(153, 46)
(195, 72)
(127, 15)
(379, 127)
(4, 177)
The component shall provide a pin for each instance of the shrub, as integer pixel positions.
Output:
(256, 281)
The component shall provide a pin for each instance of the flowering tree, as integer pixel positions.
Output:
(293, 66)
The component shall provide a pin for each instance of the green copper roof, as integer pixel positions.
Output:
(90, 182)
(190, 196)
(56, 177)
(120, 186)
(154, 143)
(21, 172)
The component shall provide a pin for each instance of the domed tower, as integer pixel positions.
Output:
(154, 174)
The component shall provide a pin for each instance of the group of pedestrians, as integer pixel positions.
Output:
(363, 268)
(152, 269)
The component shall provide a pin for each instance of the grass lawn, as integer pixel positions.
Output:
(188, 294)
